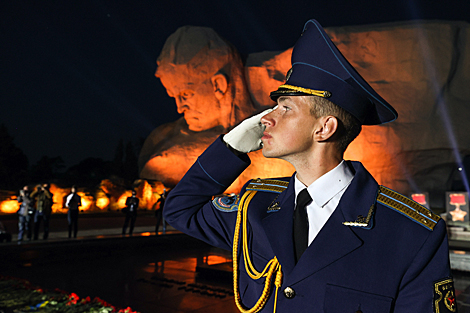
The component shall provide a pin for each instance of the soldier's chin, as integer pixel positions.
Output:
(267, 153)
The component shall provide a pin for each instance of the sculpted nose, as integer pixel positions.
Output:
(181, 105)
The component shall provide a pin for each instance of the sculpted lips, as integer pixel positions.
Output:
(194, 115)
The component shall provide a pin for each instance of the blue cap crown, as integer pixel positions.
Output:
(319, 69)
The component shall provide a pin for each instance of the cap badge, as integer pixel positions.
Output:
(319, 93)
(289, 73)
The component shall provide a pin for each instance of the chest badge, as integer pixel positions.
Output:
(274, 207)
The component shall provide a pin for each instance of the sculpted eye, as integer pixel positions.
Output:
(187, 94)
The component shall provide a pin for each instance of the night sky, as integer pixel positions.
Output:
(78, 76)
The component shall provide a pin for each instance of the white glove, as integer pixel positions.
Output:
(246, 137)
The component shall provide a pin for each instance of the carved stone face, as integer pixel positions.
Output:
(195, 98)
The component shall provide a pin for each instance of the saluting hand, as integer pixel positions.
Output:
(246, 137)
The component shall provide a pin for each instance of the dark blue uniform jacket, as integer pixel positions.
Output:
(397, 262)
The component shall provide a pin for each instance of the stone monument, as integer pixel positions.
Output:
(205, 75)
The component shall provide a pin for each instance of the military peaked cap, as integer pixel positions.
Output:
(319, 69)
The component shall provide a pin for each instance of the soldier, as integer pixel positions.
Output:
(24, 214)
(132, 204)
(73, 202)
(329, 238)
(159, 212)
(43, 198)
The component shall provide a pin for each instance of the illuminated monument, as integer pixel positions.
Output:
(206, 77)
(422, 69)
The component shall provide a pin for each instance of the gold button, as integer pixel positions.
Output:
(289, 293)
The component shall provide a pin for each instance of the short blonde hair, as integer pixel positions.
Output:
(349, 126)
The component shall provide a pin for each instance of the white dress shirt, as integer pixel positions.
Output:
(67, 201)
(326, 192)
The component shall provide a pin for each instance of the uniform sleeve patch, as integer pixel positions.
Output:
(444, 296)
(226, 203)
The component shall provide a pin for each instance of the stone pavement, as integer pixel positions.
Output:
(148, 272)
(98, 224)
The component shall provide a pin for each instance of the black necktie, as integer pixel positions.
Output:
(301, 223)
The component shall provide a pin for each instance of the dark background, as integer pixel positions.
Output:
(77, 77)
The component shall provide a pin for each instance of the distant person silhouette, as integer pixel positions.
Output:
(132, 204)
(43, 199)
(73, 202)
(158, 206)
(24, 216)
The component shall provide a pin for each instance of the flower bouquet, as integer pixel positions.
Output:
(19, 295)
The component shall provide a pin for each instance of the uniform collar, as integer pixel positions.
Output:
(328, 185)
(334, 240)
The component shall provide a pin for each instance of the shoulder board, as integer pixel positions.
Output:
(226, 203)
(407, 207)
(268, 185)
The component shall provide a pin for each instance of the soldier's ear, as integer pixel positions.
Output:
(326, 128)
(220, 85)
